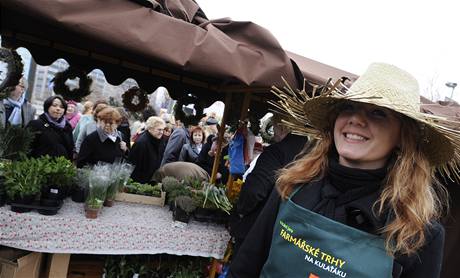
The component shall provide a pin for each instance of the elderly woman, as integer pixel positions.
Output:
(72, 115)
(190, 151)
(105, 144)
(53, 135)
(15, 109)
(147, 153)
(364, 201)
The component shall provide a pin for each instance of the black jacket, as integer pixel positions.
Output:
(260, 182)
(92, 150)
(51, 140)
(146, 154)
(255, 249)
(189, 153)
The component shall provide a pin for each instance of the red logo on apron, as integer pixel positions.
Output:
(313, 276)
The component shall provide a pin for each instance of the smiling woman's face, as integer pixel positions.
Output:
(56, 110)
(365, 135)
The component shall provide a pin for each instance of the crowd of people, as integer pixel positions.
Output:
(92, 132)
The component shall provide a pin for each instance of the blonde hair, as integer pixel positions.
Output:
(153, 122)
(410, 193)
(415, 196)
(88, 107)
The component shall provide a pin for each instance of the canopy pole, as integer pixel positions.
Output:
(215, 166)
(245, 106)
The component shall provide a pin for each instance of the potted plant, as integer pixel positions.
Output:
(120, 173)
(23, 180)
(99, 180)
(169, 185)
(112, 190)
(184, 206)
(60, 173)
(80, 186)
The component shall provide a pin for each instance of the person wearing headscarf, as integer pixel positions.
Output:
(53, 134)
(105, 144)
(15, 109)
(72, 115)
(147, 151)
(364, 200)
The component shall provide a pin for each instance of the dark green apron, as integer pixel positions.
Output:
(308, 245)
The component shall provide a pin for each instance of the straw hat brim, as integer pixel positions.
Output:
(437, 147)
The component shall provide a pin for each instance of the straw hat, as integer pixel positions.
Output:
(382, 85)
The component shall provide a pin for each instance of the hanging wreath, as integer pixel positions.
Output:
(76, 94)
(11, 68)
(135, 99)
(188, 119)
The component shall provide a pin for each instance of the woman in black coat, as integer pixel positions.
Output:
(53, 135)
(147, 153)
(105, 144)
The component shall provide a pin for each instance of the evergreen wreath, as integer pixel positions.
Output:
(135, 99)
(188, 119)
(76, 94)
(15, 69)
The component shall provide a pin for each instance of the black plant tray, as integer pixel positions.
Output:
(212, 216)
(45, 210)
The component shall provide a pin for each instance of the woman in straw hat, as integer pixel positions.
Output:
(364, 201)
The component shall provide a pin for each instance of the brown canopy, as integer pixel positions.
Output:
(317, 72)
(172, 44)
(126, 39)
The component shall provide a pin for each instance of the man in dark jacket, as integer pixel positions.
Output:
(178, 138)
(260, 182)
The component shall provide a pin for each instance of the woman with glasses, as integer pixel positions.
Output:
(147, 153)
(15, 109)
(105, 144)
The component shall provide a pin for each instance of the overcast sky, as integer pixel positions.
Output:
(421, 37)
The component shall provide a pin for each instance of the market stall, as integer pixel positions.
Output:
(171, 44)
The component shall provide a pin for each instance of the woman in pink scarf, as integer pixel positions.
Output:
(72, 115)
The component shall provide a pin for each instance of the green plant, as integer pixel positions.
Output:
(180, 191)
(112, 189)
(199, 197)
(170, 184)
(217, 196)
(193, 183)
(82, 177)
(143, 189)
(24, 178)
(59, 171)
(15, 142)
(185, 203)
(98, 184)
